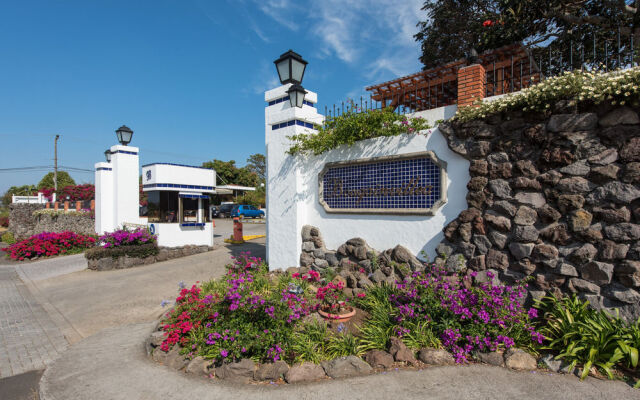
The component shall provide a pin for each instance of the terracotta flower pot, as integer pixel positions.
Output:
(344, 317)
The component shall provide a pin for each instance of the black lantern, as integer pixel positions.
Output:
(124, 135)
(290, 67)
(107, 155)
(296, 95)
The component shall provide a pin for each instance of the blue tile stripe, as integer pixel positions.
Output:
(193, 196)
(286, 98)
(125, 152)
(103, 169)
(192, 224)
(291, 123)
(173, 185)
(177, 165)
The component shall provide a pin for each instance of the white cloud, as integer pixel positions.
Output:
(265, 79)
(280, 11)
(358, 29)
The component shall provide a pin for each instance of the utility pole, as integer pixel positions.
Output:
(55, 163)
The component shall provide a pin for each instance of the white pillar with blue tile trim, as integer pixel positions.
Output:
(104, 218)
(284, 183)
(126, 188)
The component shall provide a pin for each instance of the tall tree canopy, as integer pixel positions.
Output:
(453, 27)
(228, 173)
(257, 163)
(64, 179)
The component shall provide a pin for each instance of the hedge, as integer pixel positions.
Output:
(137, 251)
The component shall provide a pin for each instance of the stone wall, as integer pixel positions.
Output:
(357, 263)
(164, 254)
(553, 197)
(21, 221)
(23, 224)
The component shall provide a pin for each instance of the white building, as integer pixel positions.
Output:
(178, 198)
(178, 206)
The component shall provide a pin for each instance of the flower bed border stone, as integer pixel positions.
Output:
(164, 254)
(248, 372)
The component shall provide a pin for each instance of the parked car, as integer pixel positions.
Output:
(245, 211)
(224, 211)
(214, 211)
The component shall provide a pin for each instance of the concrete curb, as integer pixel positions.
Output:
(112, 364)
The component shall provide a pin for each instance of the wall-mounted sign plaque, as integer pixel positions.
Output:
(405, 184)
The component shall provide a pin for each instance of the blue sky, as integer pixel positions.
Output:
(187, 76)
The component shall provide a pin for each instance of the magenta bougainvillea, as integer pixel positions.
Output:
(49, 244)
(125, 237)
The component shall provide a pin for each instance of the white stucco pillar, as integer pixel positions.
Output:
(126, 192)
(104, 198)
(285, 197)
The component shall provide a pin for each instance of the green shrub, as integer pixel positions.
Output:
(136, 251)
(8, 238)
(617, 87)
(353, 126)
(580, 335)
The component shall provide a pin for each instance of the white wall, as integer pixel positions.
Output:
(126, 187)
(179, 175)
(174, 235)
(284, 204)
(292, 191)
(104, 198)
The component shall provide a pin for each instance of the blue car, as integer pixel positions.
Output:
(244, 211)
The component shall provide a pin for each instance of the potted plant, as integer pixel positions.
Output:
(333, 303)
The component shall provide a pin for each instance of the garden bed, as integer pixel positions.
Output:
(125, 249)
(255, 325)
(49, 244)
(100, 260)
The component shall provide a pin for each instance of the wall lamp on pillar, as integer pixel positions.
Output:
(124, 135)
(107, 155)
(296, 95)
(290, 67)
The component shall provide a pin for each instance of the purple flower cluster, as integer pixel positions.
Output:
(124, 237)
(481, 317)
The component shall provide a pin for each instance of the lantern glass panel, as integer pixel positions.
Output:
(124, 137)
(297, 70)
(283, 70)
(299, 99)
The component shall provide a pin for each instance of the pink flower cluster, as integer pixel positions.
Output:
(49, 244)
(124, 237)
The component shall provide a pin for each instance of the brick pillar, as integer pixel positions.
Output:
(93, 204)
(78, 205)
(55, 206)
(47, 205)
(66, 205)
(471, 84)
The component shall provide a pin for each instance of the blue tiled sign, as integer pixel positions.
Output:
(407, 184)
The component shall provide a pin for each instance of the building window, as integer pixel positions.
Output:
(162, 206)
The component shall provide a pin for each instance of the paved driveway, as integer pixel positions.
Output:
(91, 301)
(49, 304)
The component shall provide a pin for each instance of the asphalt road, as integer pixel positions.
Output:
(224, 228)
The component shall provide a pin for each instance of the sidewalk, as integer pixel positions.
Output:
(113, 365)
(29, 337)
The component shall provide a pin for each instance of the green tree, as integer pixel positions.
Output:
(257, 163)
(228, 173)
(64, 179)
(453, 27)
(254, 198)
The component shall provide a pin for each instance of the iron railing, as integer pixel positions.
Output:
(509, 69)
